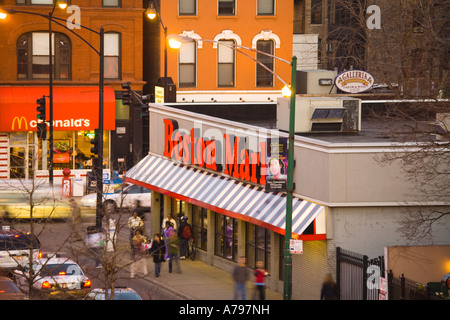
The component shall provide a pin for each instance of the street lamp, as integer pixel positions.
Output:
(98, 167)
(152, 12)
(175, 42)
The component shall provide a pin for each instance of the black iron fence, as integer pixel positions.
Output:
(359, 278)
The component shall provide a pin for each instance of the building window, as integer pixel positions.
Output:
(258, 246)
(316, 11)
(187, 65)
(200, 227)
(264, 78)
(187, 7)
(226, 62)
(225, 239)
(266, 7)
(227, 8)
(35, 2)
(112, 55)
(33, 56)
(111, 3)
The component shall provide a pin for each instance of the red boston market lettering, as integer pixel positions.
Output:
(234, 159)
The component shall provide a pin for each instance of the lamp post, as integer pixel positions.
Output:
(62, 5)
(151, 12)
(98, 167)
(175, 42)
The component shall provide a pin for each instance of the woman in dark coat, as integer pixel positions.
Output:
(158, 251)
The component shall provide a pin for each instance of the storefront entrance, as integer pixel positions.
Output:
(20, 155)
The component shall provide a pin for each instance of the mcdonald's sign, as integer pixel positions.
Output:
(19, 121)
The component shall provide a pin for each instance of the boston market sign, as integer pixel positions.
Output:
(228, 152)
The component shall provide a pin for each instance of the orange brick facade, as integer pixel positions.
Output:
(127, 21)
(246, 24)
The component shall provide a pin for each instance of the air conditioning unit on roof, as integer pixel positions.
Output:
(321, 114)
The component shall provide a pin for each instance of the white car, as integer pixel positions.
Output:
(121, 198)
(15, 248)
(56, 277)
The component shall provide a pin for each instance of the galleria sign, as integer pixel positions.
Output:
(354, 81)
(233, 153)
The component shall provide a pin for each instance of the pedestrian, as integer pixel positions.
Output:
(158, 251)
(184, 234)
(171, 220)
(96, 243)
(139, 262)
(134, 223)
(76, 221)
(240, 275)
(173, 250)
(168, 227)
(260, 280)
(329, 289)
(139, 210)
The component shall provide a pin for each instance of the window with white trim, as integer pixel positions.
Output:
(264, 78)
(226, 64)
(187, 65)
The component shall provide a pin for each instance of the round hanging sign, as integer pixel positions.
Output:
(354, 81)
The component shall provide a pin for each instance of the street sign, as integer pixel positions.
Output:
(159, 94)
(296, 246)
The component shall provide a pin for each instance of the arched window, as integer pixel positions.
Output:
(33, 56)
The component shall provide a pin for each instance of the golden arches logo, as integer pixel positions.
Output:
(19, 122)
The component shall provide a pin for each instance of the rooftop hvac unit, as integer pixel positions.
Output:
(321, 114)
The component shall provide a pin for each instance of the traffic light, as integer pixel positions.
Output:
(41, 108)
(94, 142)
(126, 95)
(145, 99)
(42, 131)
(41, 126)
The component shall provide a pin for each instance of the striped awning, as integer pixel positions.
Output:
(222, 194)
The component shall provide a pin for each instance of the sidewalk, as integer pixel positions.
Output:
(200, 281)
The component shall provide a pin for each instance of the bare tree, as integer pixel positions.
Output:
(408, 51)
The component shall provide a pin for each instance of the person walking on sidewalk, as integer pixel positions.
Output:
(139, 263)
(158, 250)
(260, 280)
(184, 234)
(329, 289)
(173, 250)
(134, 223)
(76, 221)
(240, 275)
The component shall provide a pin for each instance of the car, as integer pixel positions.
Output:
(119, 294)
(121, 197)
(9, 290)
(56, 278)
(47, 202)
(15, 246)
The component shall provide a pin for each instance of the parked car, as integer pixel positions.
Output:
(9, 290)
(56, 277)
(15, 246)
(122, 197)
(119, 294)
